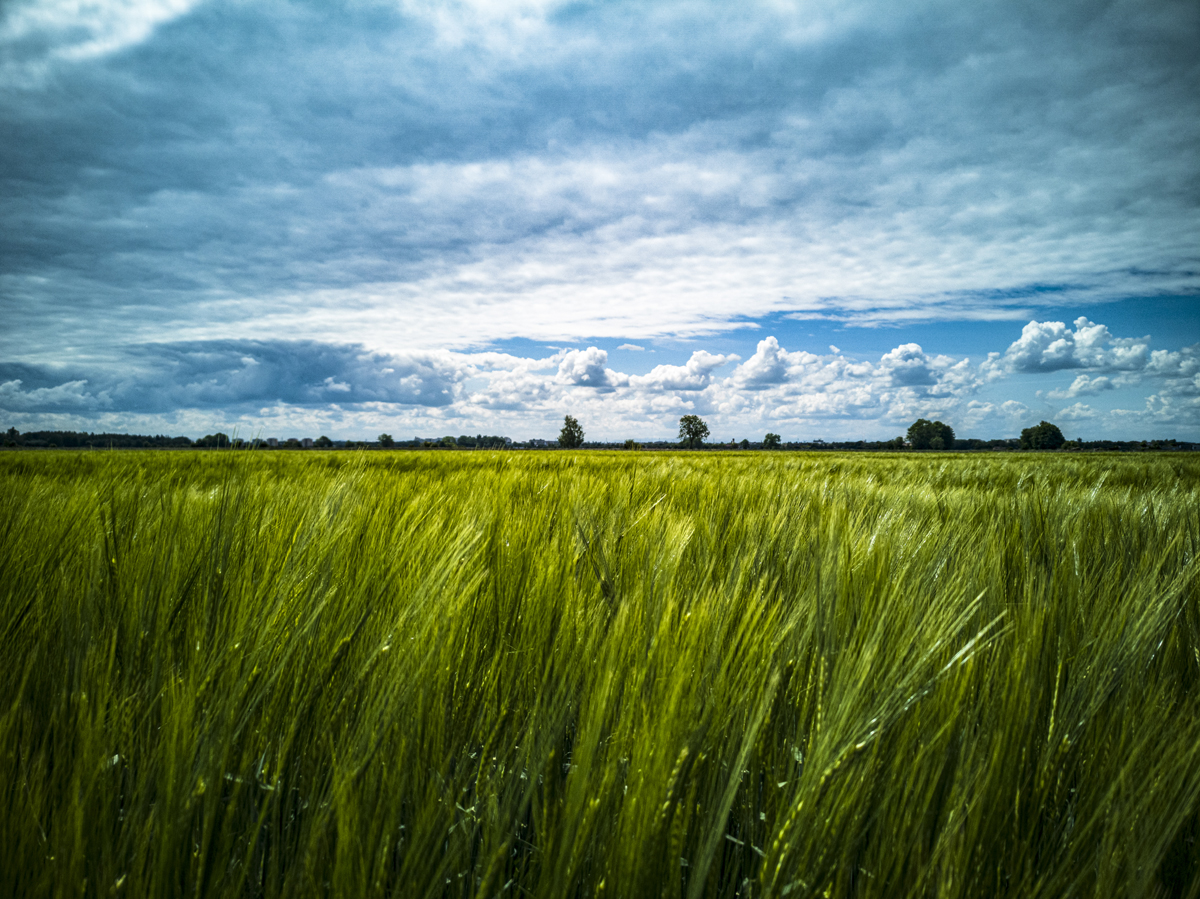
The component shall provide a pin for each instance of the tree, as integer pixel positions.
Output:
(745, 444)
(771, 441)
(692, 431)
(323, 442)
(632, 444)
(571, 435)
(386, 441)
(925, 434)
(1042, 436)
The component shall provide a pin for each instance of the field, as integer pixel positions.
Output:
(599, 674)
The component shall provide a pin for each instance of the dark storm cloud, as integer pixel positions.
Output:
(234, 375)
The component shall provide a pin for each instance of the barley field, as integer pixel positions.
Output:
(573, 674)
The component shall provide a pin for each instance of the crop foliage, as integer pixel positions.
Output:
(573, 674)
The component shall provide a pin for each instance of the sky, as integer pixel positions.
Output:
(818, 219)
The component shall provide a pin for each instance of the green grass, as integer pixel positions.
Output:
(599, 674)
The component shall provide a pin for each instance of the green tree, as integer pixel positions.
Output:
(745, 444)
(692, 431)
(771, 441)
(571, 435)
(323, 442)
(632, 444)
(386, 441)
(925, 434)
(1042, 436)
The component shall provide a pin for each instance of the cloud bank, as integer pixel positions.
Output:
(262, 384)
(425, 176)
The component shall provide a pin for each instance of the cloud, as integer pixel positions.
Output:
(586, 368)
(1160, 410)
(241, 374)
(432, 175)
(632, 347)
(1048, 347)
(71, 395)
(907, 366)
(302, 373)
(1052, 346)
(770, 365)
(36, 32)
(1009, 415)
(501, 27)
(1184, 363)
(253, 384)
(905, 383)
(1084, 386)
(1077, 412)
(695, 375)
(1179, 370)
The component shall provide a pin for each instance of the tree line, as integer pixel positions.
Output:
(922, 434)
(694, 433)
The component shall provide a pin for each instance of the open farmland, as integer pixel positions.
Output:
(585, 674)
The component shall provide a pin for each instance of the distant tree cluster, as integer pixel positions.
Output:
(1043, 436)
(923, 434)
(484, 441)
(83, 439)
(930, 435)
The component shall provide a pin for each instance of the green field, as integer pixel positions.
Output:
(599, 674)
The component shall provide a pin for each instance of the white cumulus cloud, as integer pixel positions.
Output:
(1052, 346)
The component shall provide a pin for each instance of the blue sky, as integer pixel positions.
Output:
(820, 219)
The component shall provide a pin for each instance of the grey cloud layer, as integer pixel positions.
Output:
(237, 375)
(479, 171)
